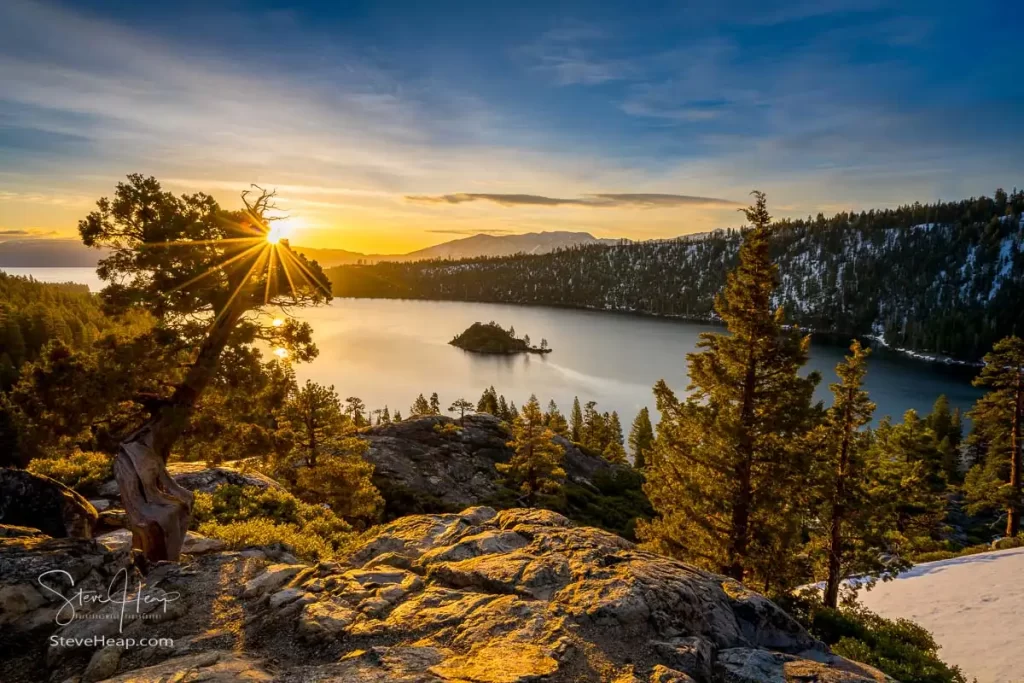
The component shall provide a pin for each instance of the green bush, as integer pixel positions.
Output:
(263, 531)
(82, 471)
(249, 515)
(899, 647)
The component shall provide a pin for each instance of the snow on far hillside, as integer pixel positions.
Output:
(974, 606)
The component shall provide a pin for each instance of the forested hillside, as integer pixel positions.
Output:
(942, 278)
(33, 313)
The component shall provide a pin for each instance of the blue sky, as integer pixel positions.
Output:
(390, 126)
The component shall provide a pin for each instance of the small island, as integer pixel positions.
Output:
(493, 338)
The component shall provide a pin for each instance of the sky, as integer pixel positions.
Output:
(390, 126)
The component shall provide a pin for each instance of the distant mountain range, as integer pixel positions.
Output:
(476, 246)
(69, 253)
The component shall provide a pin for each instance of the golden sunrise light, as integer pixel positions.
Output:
(278, 322)
(281, 353)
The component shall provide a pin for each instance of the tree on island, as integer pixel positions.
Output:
(461, 406)
(205, 275)
(998, 417)
(641, 438)
(435, 404)
(536, 465)
(729, 458)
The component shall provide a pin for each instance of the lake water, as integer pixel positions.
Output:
(388, 351)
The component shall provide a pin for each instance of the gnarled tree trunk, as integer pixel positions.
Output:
(158, 508)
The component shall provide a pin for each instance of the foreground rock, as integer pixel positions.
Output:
(480, 597)
(32, 500)
(456, 470)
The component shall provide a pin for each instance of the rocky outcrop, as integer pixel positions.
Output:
(457, 468)
(196, 476)
(32, 500)
(475, 597)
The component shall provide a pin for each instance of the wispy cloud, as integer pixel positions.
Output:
(601, 200)
(571, 55)
(25, 234)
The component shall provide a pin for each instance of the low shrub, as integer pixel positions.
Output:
(898, 647)
(249, 515)
(263, 531)
(82, 471)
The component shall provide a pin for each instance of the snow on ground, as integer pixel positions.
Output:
(974, 606)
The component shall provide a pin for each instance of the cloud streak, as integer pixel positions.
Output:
(603, 200)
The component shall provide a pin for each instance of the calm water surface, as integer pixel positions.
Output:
(388, 351)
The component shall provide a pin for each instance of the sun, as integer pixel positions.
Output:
(275, 234)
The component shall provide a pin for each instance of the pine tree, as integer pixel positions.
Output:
(909, 495)
(420, 407)
(576, 420)
(536, 464)
(488, 402)
(999, 420)
(613, 450)
(593, 434)
(948, 434)
(724, 472)
(555, 420)
(385, 416)
(314, 415)
(845, 511)
(354, 408)
(343, 480)
(461, 406)
(503, 412)
(435, 404)
(513, 413)
(641, 438)
(398, 416)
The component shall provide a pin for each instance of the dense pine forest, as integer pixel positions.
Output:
(944, 278)
(33, 314)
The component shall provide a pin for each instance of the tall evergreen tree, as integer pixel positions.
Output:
(488, 402)
(314, 415)
(555, 420)
(420, 407)
(641, 438)
(576, 420)
(503, 412)
(845, 512)
(948, 434)
(999, 419)
(613, 450)
(435, 404)
(723, 477)
(536, 465)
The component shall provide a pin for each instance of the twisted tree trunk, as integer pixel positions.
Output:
(158, 509)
